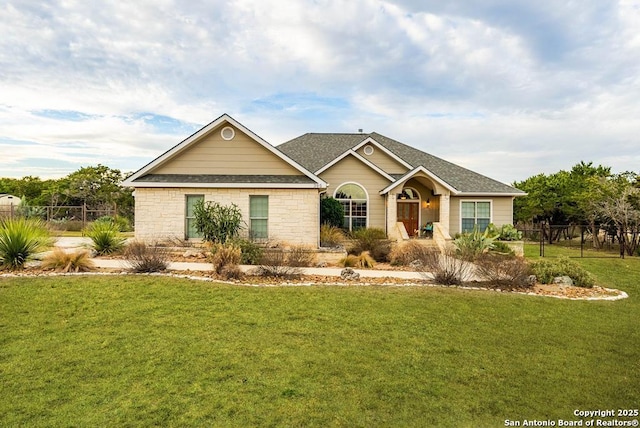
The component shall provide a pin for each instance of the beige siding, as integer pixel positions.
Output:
(351, 170)
(293, 213)
(215, 155)
(501, 211)
(383, 161)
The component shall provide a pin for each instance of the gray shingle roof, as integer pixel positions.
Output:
(313, 151)
(218, 179)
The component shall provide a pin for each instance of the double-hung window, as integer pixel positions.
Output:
(353, 199)
(190, 218)
(258, 217)
(475, 214)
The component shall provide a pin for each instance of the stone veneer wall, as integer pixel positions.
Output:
(293, 213)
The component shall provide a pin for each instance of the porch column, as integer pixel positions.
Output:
(445, 206)
(392, 216)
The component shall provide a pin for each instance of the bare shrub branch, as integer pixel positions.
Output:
(141, 257)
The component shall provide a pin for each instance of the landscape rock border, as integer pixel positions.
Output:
(611, 293)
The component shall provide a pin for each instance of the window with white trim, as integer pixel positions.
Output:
(259, 217)
(475, 214)
(190, 218)
(354, 202)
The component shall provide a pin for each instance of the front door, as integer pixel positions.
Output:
(408, 215)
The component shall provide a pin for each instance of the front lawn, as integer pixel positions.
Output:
(148, 350)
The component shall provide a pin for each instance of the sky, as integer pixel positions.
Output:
(507, 88)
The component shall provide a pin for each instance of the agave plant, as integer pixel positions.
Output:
(471, 245)
(106, 237)
(20, 239)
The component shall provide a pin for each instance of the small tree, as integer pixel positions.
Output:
(331, 212)
(217, 223)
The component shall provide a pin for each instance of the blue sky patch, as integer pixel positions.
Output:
(165, 124)
(68, 115)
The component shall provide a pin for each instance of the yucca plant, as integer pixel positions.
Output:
(106, 237)
(20, 239)
(75, 261)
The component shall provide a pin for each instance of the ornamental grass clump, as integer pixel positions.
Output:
(331, 236)
(362, 260)
(225, 259)
(74, 261)
(105, 237)
(20, 239)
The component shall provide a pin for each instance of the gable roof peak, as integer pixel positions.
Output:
(204, 131)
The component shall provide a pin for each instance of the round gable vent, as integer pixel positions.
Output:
(368, 150)
(227, 133)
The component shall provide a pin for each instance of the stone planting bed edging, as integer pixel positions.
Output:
(608, 294)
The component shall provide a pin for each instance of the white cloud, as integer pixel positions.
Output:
(507, 88)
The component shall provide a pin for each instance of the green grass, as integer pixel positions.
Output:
(140, 350)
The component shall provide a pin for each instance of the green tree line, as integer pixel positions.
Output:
(98, 187)
(586, 195)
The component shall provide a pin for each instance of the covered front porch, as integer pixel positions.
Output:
(417, 206)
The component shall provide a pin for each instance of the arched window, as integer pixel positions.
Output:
(354, 202)
(409, 193)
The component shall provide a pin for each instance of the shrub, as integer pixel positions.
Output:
(76, 261)
(507, 232)
(250, 252)
(471, 245)
(447, 268)
(231, 272)
(66, 224)
(274, 264)
(547, 269)
(225, 255)
(20, 239)
(122, 223)
(407, 252)
(502, 270)
(217, 223)
(300, 256)
(331, 212)
(373, 240)
(331, 236)
(502, 248)
(105, 237)
(146, 258)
